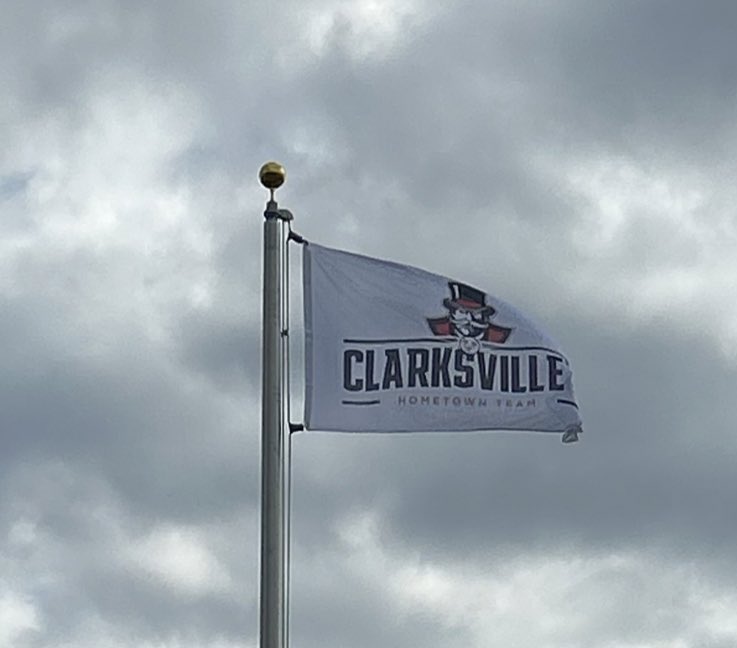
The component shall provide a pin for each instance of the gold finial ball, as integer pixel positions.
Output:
(272, 175)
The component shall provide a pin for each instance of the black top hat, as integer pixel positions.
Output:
(467, 297)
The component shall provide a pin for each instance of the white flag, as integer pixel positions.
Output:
(391, 348)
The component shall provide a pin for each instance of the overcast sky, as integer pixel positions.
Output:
(575, 158)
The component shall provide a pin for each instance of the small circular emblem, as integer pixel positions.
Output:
(470, 345)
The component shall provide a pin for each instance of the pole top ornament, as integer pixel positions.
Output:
(272, 175)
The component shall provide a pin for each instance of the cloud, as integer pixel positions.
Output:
(180, 559)
(561, 599)
(18, 616)
(572, 158)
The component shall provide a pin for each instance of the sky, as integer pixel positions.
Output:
(574, 158)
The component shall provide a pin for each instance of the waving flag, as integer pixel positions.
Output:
(391, 348)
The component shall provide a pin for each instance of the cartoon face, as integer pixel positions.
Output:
(468, 319)
(469, 322)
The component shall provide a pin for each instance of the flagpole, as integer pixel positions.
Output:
(272, 592)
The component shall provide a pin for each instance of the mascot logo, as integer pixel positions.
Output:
(468, 319)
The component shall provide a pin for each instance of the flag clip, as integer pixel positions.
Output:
(297, 238)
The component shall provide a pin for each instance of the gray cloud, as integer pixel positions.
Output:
(574, 158)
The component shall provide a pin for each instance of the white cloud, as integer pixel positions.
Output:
(654, 242)
(17, 617)
(22, 534)
(179, 558)
(622, 600)
(103, 218)
(367, 30)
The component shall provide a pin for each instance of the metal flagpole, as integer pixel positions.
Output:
(272, 595)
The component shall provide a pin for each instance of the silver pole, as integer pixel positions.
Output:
(272, 601)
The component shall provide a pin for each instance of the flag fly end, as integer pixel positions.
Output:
(570, 435)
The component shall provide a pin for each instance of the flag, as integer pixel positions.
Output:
(392, 348)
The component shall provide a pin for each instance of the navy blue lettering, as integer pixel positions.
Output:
(555, 372)
(534, 385)
(440, 362)
(504, 378)
(464, 377)
(351, 357)
(419, 360)
(517, 386)
(392, 370)
(370, 384)
(486, 370)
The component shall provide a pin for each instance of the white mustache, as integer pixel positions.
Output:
(468, 322)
